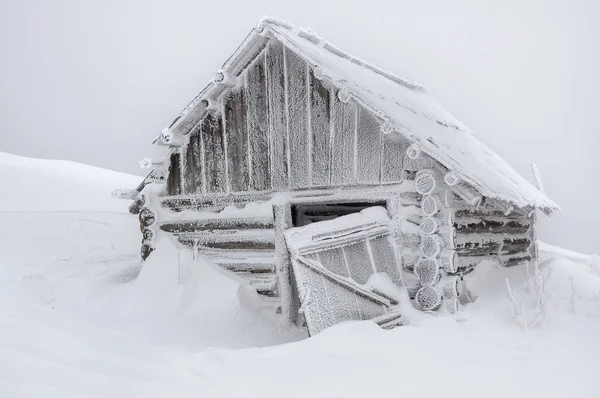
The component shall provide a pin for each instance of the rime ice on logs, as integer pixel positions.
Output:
(306, 171)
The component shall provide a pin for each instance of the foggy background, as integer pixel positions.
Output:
(96, 81)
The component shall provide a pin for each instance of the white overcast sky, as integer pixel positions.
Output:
(96, 81)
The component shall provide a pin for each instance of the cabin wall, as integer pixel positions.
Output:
(281, 128)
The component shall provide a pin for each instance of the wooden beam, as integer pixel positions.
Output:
(217, 224)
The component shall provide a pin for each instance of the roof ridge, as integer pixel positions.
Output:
(310, 35)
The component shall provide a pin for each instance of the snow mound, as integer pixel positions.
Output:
(36, 185)
(79, 317)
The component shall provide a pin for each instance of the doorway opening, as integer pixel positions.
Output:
(304, 214)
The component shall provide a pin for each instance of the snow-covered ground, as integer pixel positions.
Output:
(76, 319)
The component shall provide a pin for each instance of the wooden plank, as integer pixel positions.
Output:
(233, 244)
(297, 103)
(343, 142)
(289, 299)
(193, 165)
(277, 115)
(368, 147)
(344, 301)
(258, 126)
(237, 140)
(385, 259)
(174, 178)
(484, 246)
(320, 123)
(247, 267)
(491, 225)
(217, 224)
(392, 158)
(359, 262)
(214, 153)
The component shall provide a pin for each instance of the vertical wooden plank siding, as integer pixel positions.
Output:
(237, 140)
(277, 115)
(392, 158)
(214, 152)
(368, 147)
(342, 145)
(174, 178)
(193, 169)
(297, 95)
(258, 126)
(320, 117)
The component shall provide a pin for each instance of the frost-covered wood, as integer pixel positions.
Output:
(343, 142)
(217, 224)
(277, 115)
(236, 131)
(214, 153)
(323, 135)
(174, 178)
(258, 126)
(368, 147)
(298, 100)
(320, 126)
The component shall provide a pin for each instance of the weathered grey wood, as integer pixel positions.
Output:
(145, 250)
(237, 140)
(350, 285)
(385, 259)
(485, 211)
(277, 115)
(491, 225)
(194, 169)
(174, 178)
(359, 262)
(516, 260)
(214, 153)
(289, 298)
(392, 160)
(503, 246)
(233, 244)
(348, 194)
(258, 125)
(368, 142)
(217, 224)
(297, 101)
(343, 142)
(147, 217)
(410, 199)
(247, 267)
(320, 126)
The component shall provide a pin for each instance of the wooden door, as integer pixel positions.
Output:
(334, 264)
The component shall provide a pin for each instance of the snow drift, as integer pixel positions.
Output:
(78, 318)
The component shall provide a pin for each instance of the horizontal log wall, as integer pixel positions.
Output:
(283, 128)
(243, 246)
(487, 232)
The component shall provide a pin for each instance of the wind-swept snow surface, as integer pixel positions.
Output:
(76, 319)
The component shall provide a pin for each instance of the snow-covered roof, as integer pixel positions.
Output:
(409, 109)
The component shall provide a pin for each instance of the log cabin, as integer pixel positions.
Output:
(311, 175)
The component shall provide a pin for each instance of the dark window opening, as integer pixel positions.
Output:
(305, 214)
